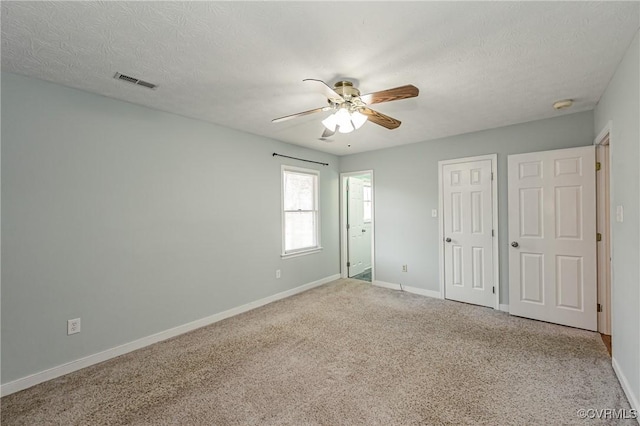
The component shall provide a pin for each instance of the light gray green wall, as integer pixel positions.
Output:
(406, 189)
(620, 104)
(136, 221)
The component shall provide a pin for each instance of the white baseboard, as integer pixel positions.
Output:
(386, 285)
(633, 399)
(408, 289)
(69, 367)
(421, 291)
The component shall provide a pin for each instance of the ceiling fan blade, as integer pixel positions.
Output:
(300, 114)
(403, 92)
(327, 90)
(380, 119)
(327, 133)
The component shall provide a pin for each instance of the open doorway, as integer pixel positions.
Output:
(603, 229)
(357, 225)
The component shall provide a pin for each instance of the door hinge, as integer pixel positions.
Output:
(598, 166)
(348, 226)
(493, 233)
(598, 237)
(599, 307)
(494, 290)
(348, 264)
(491, 175)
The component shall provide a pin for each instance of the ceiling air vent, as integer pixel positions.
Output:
(134, 80)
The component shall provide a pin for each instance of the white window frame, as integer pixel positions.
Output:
(307, 250)
(370, 201)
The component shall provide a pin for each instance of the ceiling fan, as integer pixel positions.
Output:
(350, 110)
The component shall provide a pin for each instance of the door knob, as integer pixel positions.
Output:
(515, 244)
(364, 230)
(448, 239)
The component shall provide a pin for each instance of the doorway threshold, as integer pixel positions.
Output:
(365, 276)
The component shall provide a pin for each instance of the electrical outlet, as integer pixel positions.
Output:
(404, 268)
(619, 214)
(73, 326)
(434, 212)
(278, 274)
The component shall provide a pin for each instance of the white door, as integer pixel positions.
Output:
(355, 217)
(552, 233)
(468, 245)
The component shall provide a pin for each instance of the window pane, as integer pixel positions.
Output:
(300, 230)
(366, 211)
(298, 191)
(366, 193)
(366, 199)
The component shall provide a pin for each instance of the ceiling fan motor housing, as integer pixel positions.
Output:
(346, 90)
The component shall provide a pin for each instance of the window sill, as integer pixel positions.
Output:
(301, 253)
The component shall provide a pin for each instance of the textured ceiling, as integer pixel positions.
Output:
(478, 65)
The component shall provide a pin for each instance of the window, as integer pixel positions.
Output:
(366, 200)
(300, 217)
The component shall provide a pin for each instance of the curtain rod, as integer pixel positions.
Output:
(299, 159)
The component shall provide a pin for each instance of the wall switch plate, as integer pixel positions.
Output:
(619, 214)
(404, 268)
(434, 212)
(73, 326)
(278, 274)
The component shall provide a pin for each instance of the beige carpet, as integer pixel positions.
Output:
(342, 354)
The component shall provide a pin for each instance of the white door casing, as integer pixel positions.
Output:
(602, 142)
(603, 247)
(467, 209)
(344, 232)
(356, 229)
(552, 235)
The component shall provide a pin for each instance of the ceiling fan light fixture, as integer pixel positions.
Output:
(344, 121)
(330, 122)
(358, 119)
(346, 129)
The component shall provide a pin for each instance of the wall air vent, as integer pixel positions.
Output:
(134, 80)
